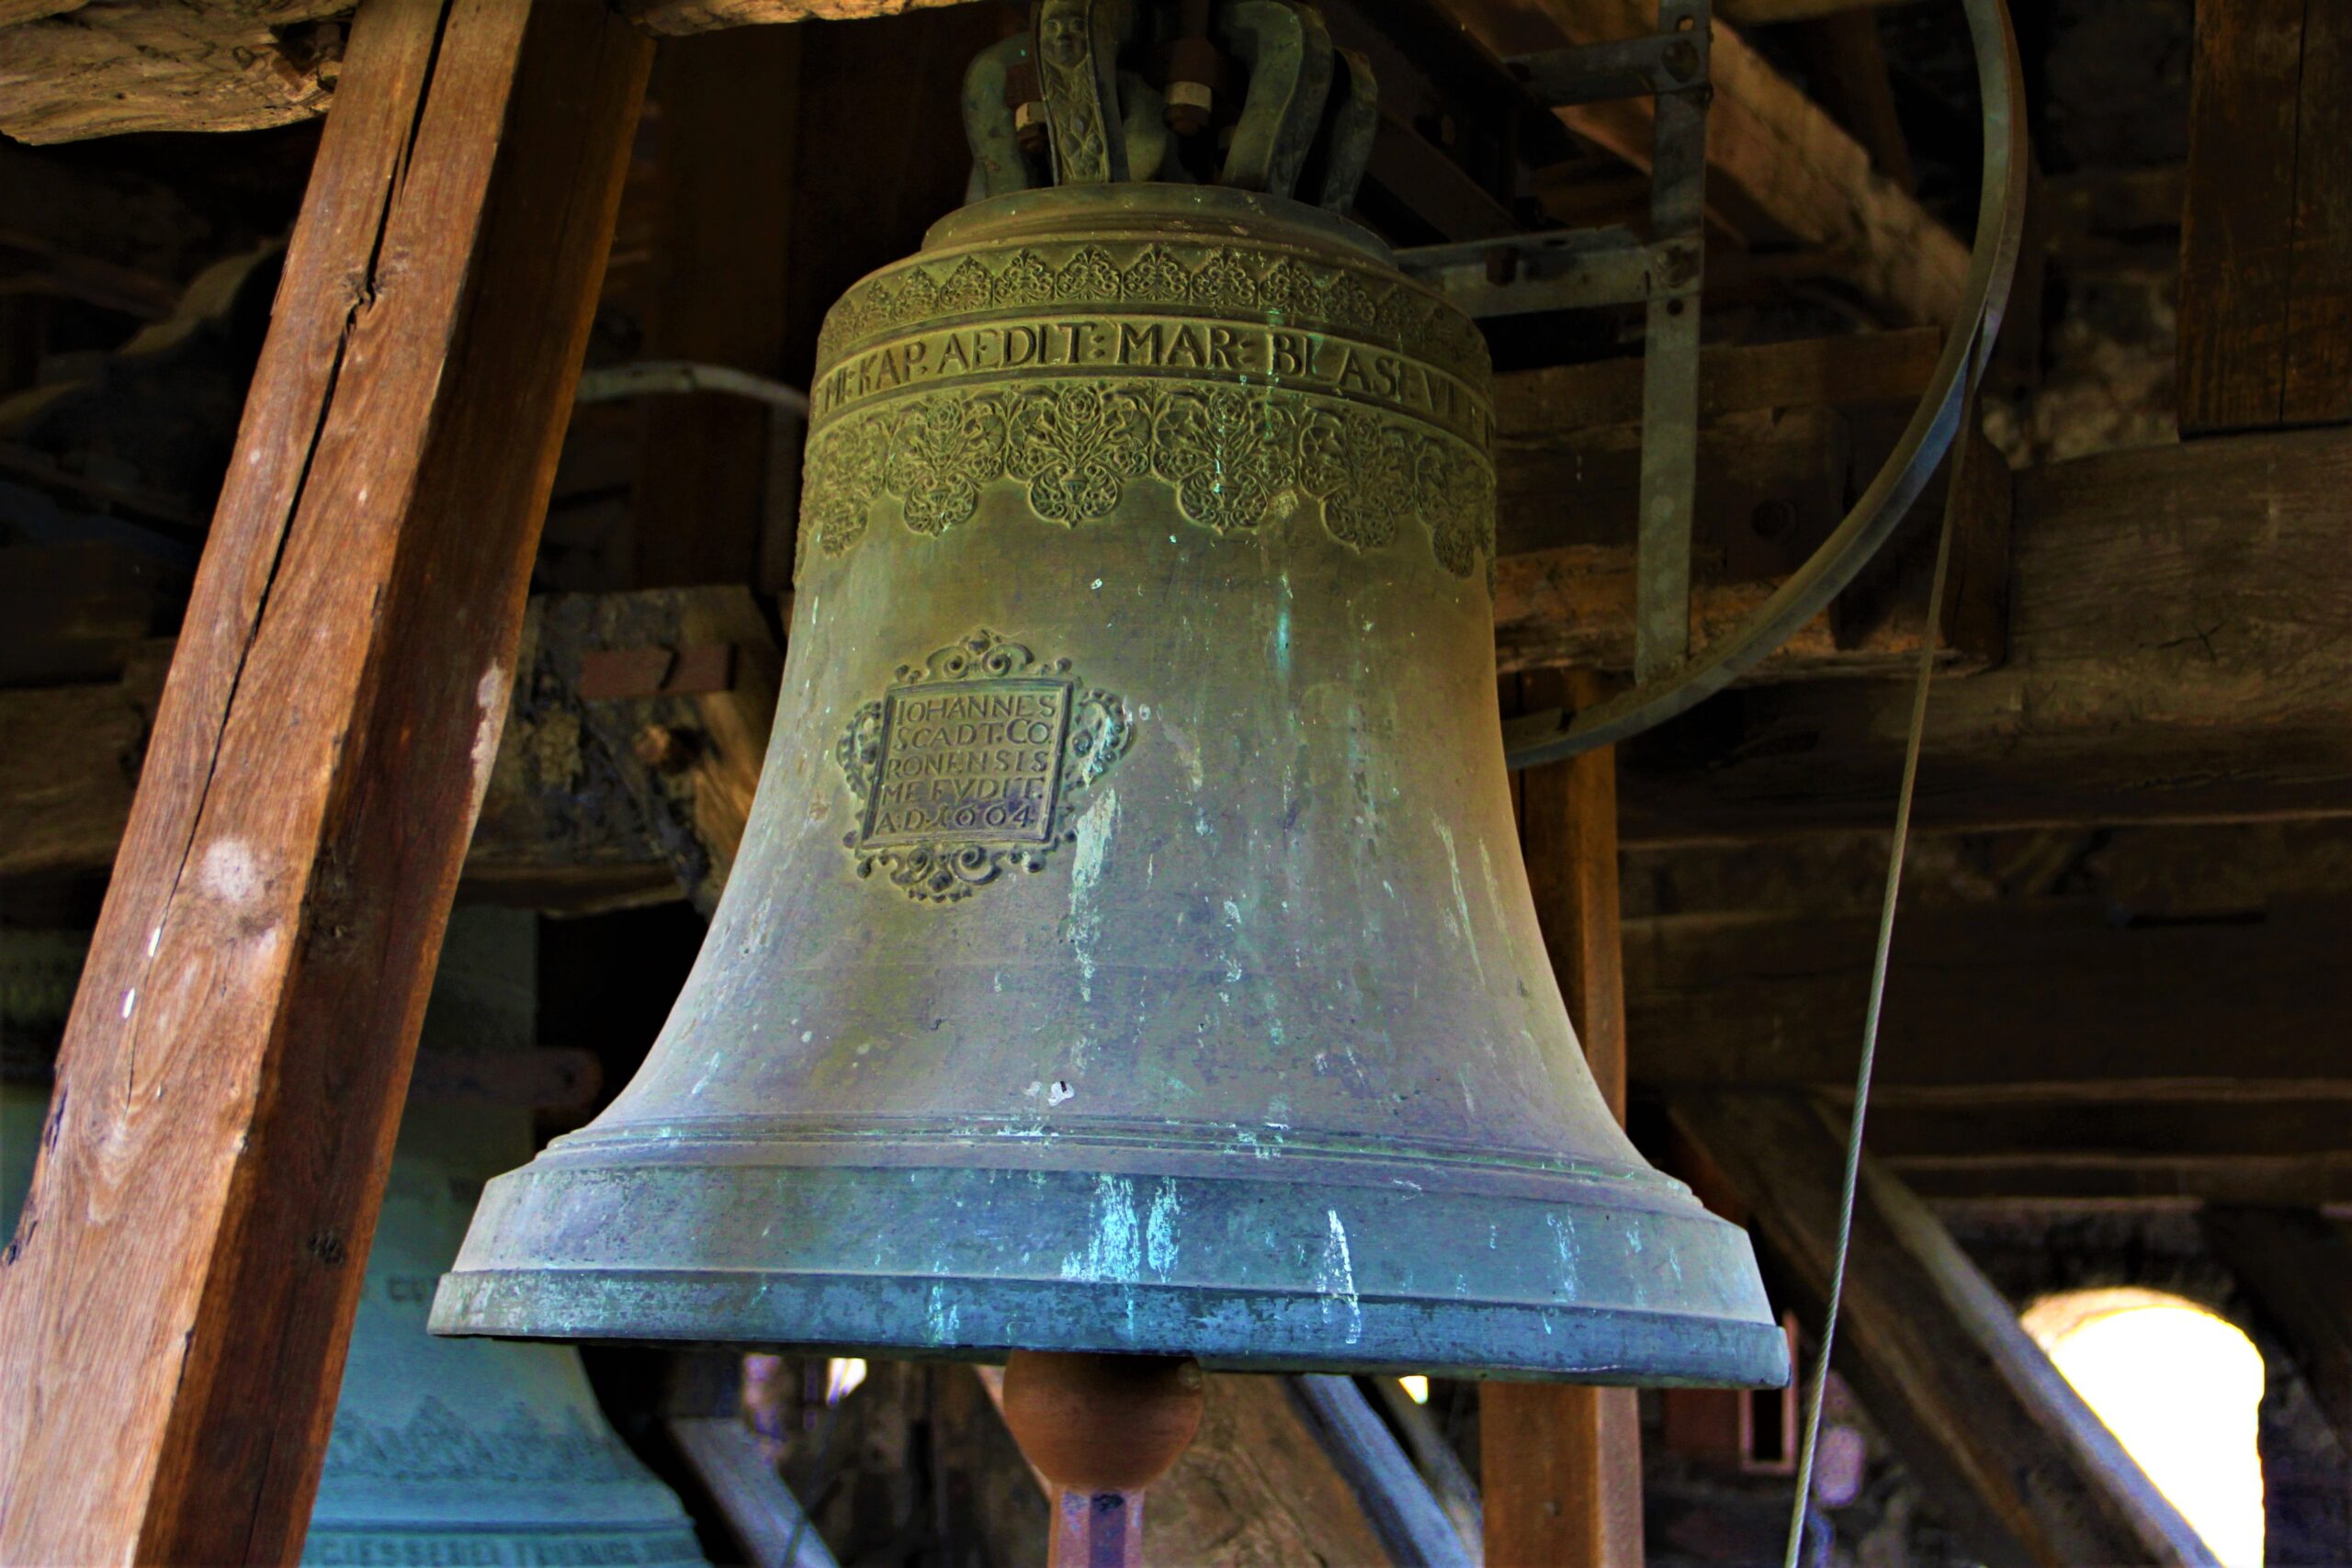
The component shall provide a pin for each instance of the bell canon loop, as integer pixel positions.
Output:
(1129, 950)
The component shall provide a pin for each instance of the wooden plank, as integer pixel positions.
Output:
(2237, 228)
(2266, 285)
(1763, 12)
(2174, 654)
(69, 71)
(2295, 1119)
(740, 1478)
(1995, 1436)
(176, 1303)
(2318, 370)
(2297, 1267)
(1829, 372)
(2294, 1181)
(1848, 69)
(706, 15)
(103, 69)
(2036, 997)
(726, 137)
(1560, 1464)
(1777, 167)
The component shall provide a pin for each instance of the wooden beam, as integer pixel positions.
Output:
(1763, 12)
(174, 1307)
(2023, 999)
(2298, 1119)
(71, 69)
(1847, 69)
(1995, 1436)
(2172, 655)
(2297, 1267)
(1560, 1464)
(101, 70)
(2266, 249)
(1777, 167)
(677, 16)
(726, 149)
(2294, 1181)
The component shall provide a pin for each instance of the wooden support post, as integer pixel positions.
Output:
(175, 1306)
(1990, 1430)
(727, 122)
(2266, 241)
(2297, 1267)
(1561, 1465)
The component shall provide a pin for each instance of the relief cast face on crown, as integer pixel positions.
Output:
(1129, 949)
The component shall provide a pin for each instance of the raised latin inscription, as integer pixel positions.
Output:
(965, 767)
(1292, 356)
(977, 760)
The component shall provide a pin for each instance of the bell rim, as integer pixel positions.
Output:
(1265, 1263)
(1607, 1346)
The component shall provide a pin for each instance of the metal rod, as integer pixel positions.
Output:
(1810, 1439)
(1671, 362)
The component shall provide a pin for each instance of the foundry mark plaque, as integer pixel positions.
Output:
(969, 762)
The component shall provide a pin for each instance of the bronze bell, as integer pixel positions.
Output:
(1129, 950)
(486, 1455)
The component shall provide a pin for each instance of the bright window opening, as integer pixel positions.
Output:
(843, 1374)
(2179, 1388)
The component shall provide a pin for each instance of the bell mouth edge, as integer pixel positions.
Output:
(1235, 1331)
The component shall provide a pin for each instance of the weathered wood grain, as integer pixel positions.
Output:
(706, 15)
(1761, 13)
(74, 69)
(2266, 247)
(1983, 1422)
(2041, 998)
(1560, 1464)
(727, 150)
(110, 66)
(2175, 651)
(173, 1308)
(2238, 225)
(1777, 167)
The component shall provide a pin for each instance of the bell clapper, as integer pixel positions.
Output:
(1101, 1429)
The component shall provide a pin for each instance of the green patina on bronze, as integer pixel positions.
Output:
(1128, 950)
(1066, 344)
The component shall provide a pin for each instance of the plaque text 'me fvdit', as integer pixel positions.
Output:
(979, 759)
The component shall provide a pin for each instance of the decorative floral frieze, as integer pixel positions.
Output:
(1237, 460)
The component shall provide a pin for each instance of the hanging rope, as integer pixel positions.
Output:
(1811, 1439)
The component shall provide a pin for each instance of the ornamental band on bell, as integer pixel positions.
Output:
(1305, 387)
(969, 766)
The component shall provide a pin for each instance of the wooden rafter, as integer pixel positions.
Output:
(1778, 166)
(1982, 1420)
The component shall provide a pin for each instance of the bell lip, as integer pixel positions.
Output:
(1601, 1346)
(1052, 210)
(1266, 1263)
